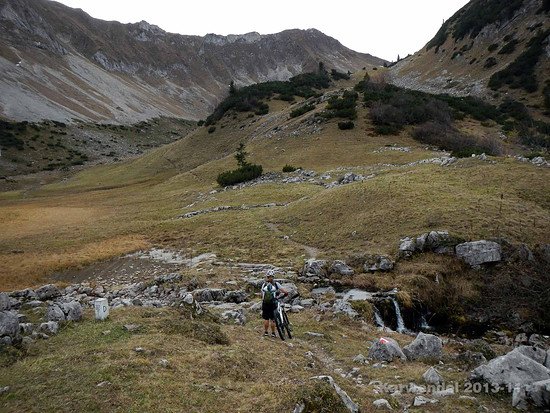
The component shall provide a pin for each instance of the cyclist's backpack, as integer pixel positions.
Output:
(269, 293)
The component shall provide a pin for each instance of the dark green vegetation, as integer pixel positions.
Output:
(52, 145)
(509, 47)
(493, 47)
(393, 108)
(336, 75)
(521, 72)
(245, 172)
(345, 125)
(289, 168)
(342, 107)
(301, 110)
(490, 62)
(472, 18)
(251, 98)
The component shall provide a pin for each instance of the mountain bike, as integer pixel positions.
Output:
(281, 321)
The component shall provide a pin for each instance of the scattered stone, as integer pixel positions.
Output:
(236, 296)
(164, 363)
(385, 349)
(340, 268)
(313, 268)
(471, 358)
(9, 327)
(360, 359)
(534, 353)
(47, 292)
(344, 307)
(104, 383)
(379, 263)
(424, 346)
(55, 313)
(407, 247)
(51, 327)
(4, 390)
(188, 299)
(237, 316)
(350, 405)
(26, 328)
(4, 302)
(168, 278)
(421, 401)
(449, 391)
(416, 389)
(432, 376)
(313, 334)
(132, 327)
(479, 252)
(382, 404)
(209, 294)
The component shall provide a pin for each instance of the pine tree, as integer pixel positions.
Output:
(241, 155)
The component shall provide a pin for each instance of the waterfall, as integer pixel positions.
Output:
(424, 324)
(400, 323)
(378, 318)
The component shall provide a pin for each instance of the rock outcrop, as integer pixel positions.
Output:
(424, 347)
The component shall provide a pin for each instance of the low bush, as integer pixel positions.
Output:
(348, 124)
(450, 139)
(492, 47)
(342, 107)
(211, 129)
(509, 47)
(200, 123)
(242, 174)
(301, 110)
(289, 168)
(336, 75)
(490, 62)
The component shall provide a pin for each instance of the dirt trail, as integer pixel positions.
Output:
(311, 252)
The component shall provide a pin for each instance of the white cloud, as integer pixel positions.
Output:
(383, 28)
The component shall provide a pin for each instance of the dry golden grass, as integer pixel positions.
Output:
(249, 374)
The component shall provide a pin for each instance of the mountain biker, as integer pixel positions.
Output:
(271, 291)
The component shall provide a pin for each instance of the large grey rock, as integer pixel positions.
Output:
(407, 247)
(4, 302)
(209, 294)
(424, 346)
(235, 316)
(314, 268)
(385, 349)
(436, 240)
(534, 353)
(512, 369)
(47, 292)
(9, 327)
(55, 313)
(340, 268)
(350, 405)
(72, 311)
(538, 393)
(344, 307)
(236, 296)
(479, 252)
(432, 376)
(291, 289)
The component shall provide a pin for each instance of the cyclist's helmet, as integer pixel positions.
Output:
(270, 273)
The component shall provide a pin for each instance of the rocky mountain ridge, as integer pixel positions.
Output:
(481, 42)
(59, 63)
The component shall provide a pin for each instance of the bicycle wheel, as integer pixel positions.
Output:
(288, 328)
(279, 325)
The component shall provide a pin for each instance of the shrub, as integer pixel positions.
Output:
(250, 98)
(200, 123)
(450, 139)
(490, 62)
(492, 47)
(509, 47)
(211, 129)
(514, 109)
(342, 107)
(289, 168)
(521, 72)
(348, 124)
(546, 94)
(242, 174)
(301, 110)
(336, 75)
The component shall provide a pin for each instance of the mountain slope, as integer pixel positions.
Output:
(60, 63)
(490, 49)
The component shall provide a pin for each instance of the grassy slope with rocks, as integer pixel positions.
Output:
(109, 210)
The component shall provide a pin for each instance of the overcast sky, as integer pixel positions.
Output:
(384, 28)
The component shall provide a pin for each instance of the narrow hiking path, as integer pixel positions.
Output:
(311, 252)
